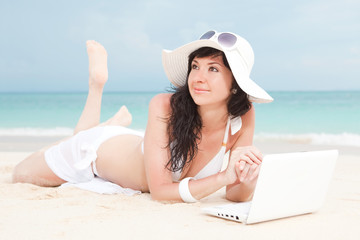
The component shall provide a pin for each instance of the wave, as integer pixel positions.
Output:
(342, 139)
(37, 132)
(40, 132)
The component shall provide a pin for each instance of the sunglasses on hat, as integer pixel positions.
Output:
(225, 39)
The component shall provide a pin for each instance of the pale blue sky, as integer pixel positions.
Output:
(299, 45)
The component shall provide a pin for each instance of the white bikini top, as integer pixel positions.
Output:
(214, 166)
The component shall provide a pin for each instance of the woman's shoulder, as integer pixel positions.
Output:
(244, 136)
(160, 102)
(162, 98)
(249, 115)
(248, 119)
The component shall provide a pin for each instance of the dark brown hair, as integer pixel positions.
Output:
(184, 124)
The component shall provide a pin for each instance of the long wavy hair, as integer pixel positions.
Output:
(185, 124)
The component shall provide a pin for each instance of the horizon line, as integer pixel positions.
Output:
(165, 91)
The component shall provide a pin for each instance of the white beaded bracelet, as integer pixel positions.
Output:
(185, 192)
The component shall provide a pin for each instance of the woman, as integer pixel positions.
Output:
(187, 134)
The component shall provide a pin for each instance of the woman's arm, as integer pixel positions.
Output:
(156, 155)
(155, 149)
(248, 160)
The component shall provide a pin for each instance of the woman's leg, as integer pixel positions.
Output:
(34, 168)
(98, 75)
(121, 118)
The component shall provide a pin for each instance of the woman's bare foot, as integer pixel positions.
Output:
(121, 118)
(97, 63)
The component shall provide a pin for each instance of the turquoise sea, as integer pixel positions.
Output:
(319, 116)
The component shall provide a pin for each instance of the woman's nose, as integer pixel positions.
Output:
(200, 76)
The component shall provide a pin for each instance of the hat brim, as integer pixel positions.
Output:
(175, 64)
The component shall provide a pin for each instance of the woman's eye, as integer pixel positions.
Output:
(194, 66)
(212, 69)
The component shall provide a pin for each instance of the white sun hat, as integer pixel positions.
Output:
(239, 55)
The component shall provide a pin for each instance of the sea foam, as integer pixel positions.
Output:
(36, 132)
(343, 139)
(40, 132)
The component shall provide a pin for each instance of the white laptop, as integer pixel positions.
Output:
(289, 184)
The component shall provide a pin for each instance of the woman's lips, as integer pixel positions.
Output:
(200, 90)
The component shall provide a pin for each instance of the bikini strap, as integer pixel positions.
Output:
(226, 135)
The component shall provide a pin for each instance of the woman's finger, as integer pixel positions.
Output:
(256, 173)
(238, 167)
(244, 158)
(244, 172)
(257, 153)
(251, 152)
(254, 157)
(251, 172)
(241, 165)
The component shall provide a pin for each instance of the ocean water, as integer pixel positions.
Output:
(316, 117)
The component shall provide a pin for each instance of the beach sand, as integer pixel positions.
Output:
(32, 212)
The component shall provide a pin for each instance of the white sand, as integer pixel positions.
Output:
(31, 212)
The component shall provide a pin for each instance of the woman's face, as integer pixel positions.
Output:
(209, 81)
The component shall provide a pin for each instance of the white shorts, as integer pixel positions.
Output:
(71, 160)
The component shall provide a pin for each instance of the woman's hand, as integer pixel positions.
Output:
(247, 172)
(244, 164)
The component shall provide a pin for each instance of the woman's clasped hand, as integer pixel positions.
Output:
(244, 165)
